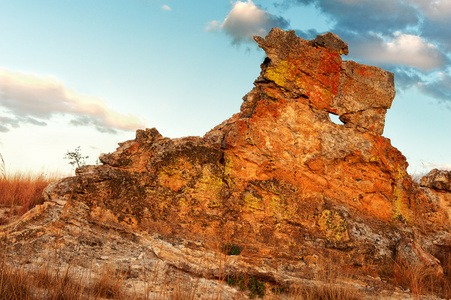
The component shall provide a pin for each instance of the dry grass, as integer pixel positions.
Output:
(423, 282)
(2, 167)
(109, 285)
(20, 192)
(51, 284)
(23, 191)
(13, 283)
(329, 284)
(325, 292)
(66, 283)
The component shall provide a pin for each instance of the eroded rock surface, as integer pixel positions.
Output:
(436, 185)
(437, 180)
(281, 181)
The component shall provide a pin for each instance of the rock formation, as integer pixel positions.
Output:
(279, 181)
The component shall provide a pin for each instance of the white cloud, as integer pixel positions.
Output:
(166, 7)
(404, 49)
(246, 20)
(437, 10)
(34, 99)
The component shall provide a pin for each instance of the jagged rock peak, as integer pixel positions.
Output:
(314, 70)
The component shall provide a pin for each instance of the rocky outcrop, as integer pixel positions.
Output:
(437, 180)
(436, 185)
(282, 183)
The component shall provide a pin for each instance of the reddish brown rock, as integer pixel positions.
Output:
(319, 76)
(279, 179)
(331, 41)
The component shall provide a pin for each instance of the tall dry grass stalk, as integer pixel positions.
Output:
(2, 167)
(13, 283)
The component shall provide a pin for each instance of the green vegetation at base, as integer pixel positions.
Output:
(231, 249)
(256, 288)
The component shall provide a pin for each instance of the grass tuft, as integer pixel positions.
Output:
(421, 282)
(21, 192)
(325, 292)
(13, 283)
(109, 285)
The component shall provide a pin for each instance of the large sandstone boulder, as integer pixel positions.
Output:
(279, 180)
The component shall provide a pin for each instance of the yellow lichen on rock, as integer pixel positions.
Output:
(176, 175)
(252, 201)
(279, 74)
(208, 188)
(401, 210)
(333, 225)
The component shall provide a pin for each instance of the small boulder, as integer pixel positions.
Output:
(438, 180)
(331, 41)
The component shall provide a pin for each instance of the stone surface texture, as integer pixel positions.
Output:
(436, 185)
(437, 180)
(279, 180)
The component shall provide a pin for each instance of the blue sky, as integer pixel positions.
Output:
(89, 73)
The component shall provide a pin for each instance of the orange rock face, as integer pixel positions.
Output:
(279, 179)
(284, 132)
(279, 172)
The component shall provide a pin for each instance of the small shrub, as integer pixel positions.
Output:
(234, 280)
(231, 249)
(257, 288)
(76, 159)
(278, 290)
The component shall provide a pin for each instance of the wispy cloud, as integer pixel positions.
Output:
(439, 89)
(246, 20)
(407, 37)
(437, 166)
(166, 7)
(34, 99)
